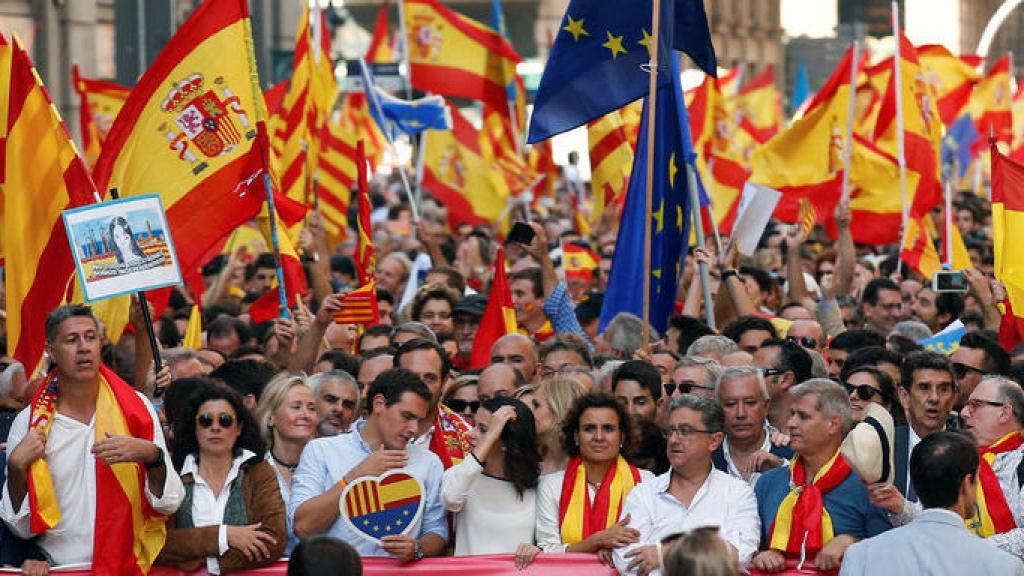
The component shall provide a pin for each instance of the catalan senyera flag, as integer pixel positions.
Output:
(990, 104)
(365, 257)
(307, 106)
(336, 178)
(457, 173)
(922, 130)
(1007, 216)
(499, 316)
(356, 119)
(380, 51)
(42, 175)
(359, 306)
(758, 107)
(188, 131)
(952, 78)
(99, 104)
(611, 159)
(454, 55)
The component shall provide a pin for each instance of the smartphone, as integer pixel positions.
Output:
(520, 233)
(948, 281)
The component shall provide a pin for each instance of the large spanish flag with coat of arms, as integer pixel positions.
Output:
(188, 131)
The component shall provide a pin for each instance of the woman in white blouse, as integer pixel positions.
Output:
(493, 491)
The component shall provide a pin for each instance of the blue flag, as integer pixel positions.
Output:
(599, 60)
(956, 145)
(415, 116)
(801, 87)
(669, 217)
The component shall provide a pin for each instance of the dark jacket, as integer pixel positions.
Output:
(188, 548)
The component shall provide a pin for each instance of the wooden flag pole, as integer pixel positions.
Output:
(652, 113)
(901, 155)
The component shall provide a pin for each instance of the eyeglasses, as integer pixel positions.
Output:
(864, 391)
(805, 341)
(459, 406)
(224, 419)
(431, 316)
(548, 371)
(685, 387)
(684, 432)
(976, 403)
(961, 369)
(769, 372)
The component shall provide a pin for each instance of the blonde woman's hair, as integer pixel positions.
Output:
(701, 552)
(271, 399)
(561, 394)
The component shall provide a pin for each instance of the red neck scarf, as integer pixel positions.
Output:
(802, 520)
(993, 515)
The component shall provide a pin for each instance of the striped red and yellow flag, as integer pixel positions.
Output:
(99, 104)
(611, 159)
(359, 306)
(380, 51)
(757, 107)
(43, 174)
(189, 128)
(499, 316)
(1007, 216)
(356, 119)
(267, 306)
(336, 177)
(952, 77)
(454, 55)
(365, 256)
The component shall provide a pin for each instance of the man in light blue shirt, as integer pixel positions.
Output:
(396, 402)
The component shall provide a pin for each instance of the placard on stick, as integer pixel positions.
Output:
(122, 246)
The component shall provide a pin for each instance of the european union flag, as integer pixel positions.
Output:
(960, 137)
(669, 218)
(409, 116)
(599, 59)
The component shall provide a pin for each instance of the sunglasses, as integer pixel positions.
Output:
(459, 406)
(961, 369)
(224, 419)
(804, 341)
(864, 391)
(685, 387)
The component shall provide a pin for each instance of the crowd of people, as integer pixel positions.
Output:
(696, 451)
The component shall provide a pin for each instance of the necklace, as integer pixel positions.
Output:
(286, 465)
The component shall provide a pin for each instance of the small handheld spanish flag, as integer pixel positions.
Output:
(578, 262)
(359, 306)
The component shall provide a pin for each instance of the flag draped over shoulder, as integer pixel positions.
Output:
(454, 55)
(188, 131)
(42, 175)
(669, 218)
(597, 62)
(1007, 216)
(99, 103)
(499, 316)
(457, 173)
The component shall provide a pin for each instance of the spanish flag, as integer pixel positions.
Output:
(919, 250)
(454, 55)
(990, 104)
(952, 77)
(188, 131)
(99, 103)
(1017, 111)
(365, 256)
(267, 307)
(457, 173)
(611, 159)
(725, 187)
(1008, 215)
(499, 317)
(42, 175)
(578, 262)
(359, 306)
(758, 108)
(380, 51)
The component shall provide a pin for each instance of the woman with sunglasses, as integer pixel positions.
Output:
(495, 487)
(578, 508)
(865, 385)
(232, 517)
(463, 398)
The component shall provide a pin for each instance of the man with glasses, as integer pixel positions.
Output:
(977, 356)
(562, 352)
(785, 365)
(807, 333)
(882, 305)
(690, 495)
(747, 449)
(694, 375)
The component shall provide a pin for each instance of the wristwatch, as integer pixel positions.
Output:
(158, 462)
(418, 552)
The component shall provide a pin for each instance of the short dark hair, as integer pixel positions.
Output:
(341, 360)
(938, 465)
(923, 360)
(641, 372)
(177, 394)
(949, 303)
(690, 329)
(871, 356)
(533, 275)
(454, 278)
(394, 382)
(224, 325)
(410, 346)
(563, 343)
(245, 376)
(58, 315)
(870, 295)
(375, 331)
(763, 279)
(185, 441)
(735, 330)
(997, 361)
(324, 556)
(595, 399)
(854, 339)
(792, 358)
(885, 383)
(385, 296)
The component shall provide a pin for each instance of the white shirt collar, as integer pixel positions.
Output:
(191, 466)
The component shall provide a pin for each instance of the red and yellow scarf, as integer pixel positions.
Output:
(993, 515)
(132, 533)
(451, 437)
(802, 520)
(577, 515)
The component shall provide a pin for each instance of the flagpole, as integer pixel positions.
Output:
(847, 152)
(947, 189)
(652, 112)
(698, 224)
(901, 156)
(407, 77)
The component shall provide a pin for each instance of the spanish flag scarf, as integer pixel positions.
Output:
(451, 437)
(128, 533)
(993, 515)
(577, 515)
(802, 520)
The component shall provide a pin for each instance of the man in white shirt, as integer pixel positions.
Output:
(692, 494)
(74, 458)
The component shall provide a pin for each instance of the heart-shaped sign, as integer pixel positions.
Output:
(385, 505)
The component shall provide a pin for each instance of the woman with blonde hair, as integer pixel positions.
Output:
(550, 402)
(286, 416)
(701, 552)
